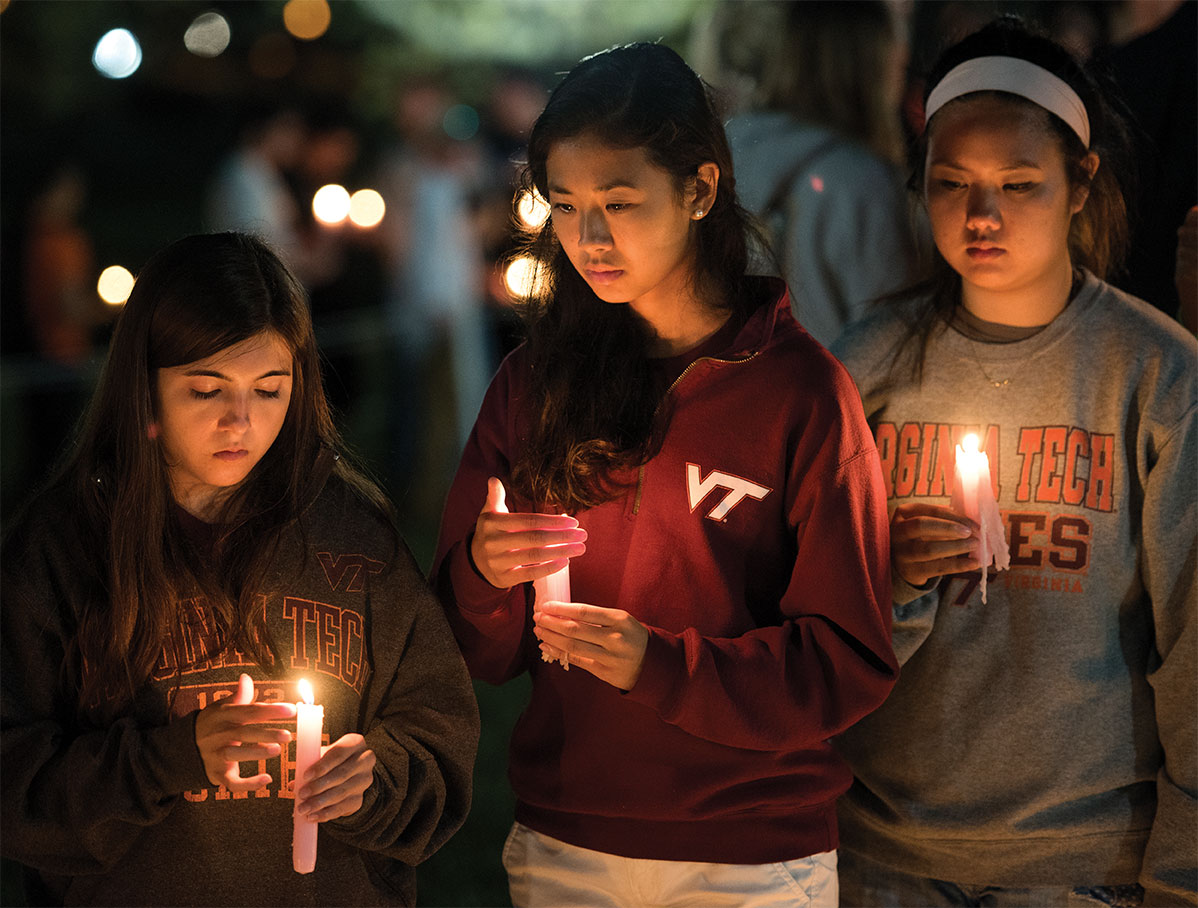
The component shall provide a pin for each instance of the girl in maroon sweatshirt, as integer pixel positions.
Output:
(703, 467)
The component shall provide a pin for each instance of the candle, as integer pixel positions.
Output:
(555, 586)
(309, 728)
(973, 496)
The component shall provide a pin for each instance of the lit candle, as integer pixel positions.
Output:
(973, 496)
(309, 728)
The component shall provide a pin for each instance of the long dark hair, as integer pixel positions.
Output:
(594, 402)
(190, 301)
(1099, 233)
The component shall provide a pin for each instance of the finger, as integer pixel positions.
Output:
(496, 502)
(930, 528)
(931, 549)
(252, 713)
(258, 735)
(575, 648)
(574, 630)
(344, 748)
(527, 572)
(245, 752)
(504, 525)
(924, 509)
(360, 766)
(235, 782)
(245, 690)
(585, 613)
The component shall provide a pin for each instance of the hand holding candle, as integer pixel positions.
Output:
(973, 496)
(509, 549)
(228, 731)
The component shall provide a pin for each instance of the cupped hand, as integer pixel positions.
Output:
(607, 642)
(335, 784)
(927, 540)
(514, 548)
(230, 730)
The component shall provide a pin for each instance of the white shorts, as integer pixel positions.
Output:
(544, 872)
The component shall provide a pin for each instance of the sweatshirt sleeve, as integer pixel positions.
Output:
(75, 799)
(1170, 560)
(489, 624)
(425, 732)
(830, 661)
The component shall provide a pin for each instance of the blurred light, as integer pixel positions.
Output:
(532, 209)
(366, 208)
(520, 275)
(117, 54)
(115, 285)
(817, 183)
(272, 56)
(330, 204)
(208, 35)
(461, 122)
(307, 19)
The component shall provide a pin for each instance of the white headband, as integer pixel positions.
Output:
(1018, 77)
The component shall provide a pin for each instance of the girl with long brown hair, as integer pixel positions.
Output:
(206, 541)
(670, 434)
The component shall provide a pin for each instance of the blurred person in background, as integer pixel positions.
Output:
(249, 191)
(818, 164)
(444, 348)
(1152, 56)
(61, 303)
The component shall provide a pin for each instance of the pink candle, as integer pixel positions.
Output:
(973, 496)
(309, 728)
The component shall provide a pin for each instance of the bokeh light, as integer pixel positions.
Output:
(532, 209)
(461, 122)
(366, 208)
(208, 35)
(115, 285)
(117, 54)
(307, 19)
(520, 276)
(330, 205)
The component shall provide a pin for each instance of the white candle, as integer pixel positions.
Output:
(973, 496)
(309, 728)
(555, 586)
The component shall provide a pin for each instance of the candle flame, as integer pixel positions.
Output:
(969, 444)
(305, 690)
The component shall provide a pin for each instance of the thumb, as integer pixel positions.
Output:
(245, 691)
(496, 497)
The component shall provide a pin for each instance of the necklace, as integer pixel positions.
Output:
(993, 382)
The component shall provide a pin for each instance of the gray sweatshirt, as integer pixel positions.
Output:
(843, 232)
(1048, 736)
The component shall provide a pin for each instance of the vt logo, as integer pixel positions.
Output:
(738, 489)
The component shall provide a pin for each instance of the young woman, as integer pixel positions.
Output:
(701, 465)
(1039, 747)
(204, 547)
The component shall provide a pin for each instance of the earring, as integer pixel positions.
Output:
(698, 214)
